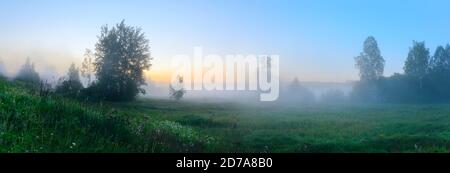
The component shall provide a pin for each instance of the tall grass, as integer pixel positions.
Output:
(31, 123)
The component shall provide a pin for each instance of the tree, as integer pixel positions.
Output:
(178, 93)
(2, 70)
(416, 64)
(440, 62)
(296, 92)
(70, 85)
(28, 74)
(370, 62)
(437, 81)
(398, 88)
(87, 67)
(371, 67)
(121, 55)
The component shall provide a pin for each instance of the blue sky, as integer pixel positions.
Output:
(316, 39)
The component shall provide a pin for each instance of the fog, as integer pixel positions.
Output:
(400, 87)
(160, 90)
(51, 71)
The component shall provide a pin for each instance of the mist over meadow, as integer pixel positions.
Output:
(354, 77)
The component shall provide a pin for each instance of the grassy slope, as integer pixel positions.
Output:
(29, 123)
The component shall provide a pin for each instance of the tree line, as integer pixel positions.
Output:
(113, 72)
(425, 78)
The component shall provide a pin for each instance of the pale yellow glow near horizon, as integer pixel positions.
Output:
(53, 63)
(158, 75)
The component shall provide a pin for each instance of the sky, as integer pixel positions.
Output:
(317, 40)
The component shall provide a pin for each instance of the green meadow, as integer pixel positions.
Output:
(31, 122)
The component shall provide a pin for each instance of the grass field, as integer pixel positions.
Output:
(31, 123)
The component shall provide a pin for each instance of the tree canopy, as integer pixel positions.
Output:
(121, 55)
(370, 62)
(441, 59)
(416, 64)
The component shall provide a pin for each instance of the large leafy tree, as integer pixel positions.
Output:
(417, 62)
(121, 55)
(370, 62)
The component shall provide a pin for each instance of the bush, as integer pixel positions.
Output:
(70, 86)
